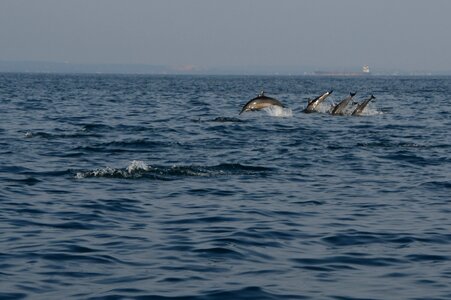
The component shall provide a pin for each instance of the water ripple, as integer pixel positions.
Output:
(154, 187)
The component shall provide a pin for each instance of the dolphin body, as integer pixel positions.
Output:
(361, 106)
(260, 102)
(339, 109)
(312, 105)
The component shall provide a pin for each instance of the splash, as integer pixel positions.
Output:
(277, 111)
(371, 111)
(324, 108)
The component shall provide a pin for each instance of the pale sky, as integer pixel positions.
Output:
(326, 34)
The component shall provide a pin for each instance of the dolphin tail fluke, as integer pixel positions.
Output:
(352, 94)
(372, 97)
(331, 92)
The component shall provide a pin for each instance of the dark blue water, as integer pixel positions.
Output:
(147, 187)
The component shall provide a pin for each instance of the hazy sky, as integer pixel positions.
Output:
(325, 34)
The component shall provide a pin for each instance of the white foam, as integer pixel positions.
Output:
(96, 173)
(135, 168)
(137, 165)
(80, 175)
(277, 111)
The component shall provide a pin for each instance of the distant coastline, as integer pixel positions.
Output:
(146, 69)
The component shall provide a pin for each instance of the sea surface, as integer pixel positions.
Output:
(154, 187)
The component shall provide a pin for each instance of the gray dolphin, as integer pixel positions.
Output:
(339, 109)
(361, 106)
(312, 105)
(260, 102)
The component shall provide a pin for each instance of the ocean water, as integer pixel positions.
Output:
(153, 187)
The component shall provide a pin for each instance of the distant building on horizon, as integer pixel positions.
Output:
(366, 69)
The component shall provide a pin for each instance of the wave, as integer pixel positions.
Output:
(51, 136)
(437, 185)
(353, 238)
(246, 292)
(139, 169)
(348, 261)
(227, 119)
(135, 145)
(6, 295)
(220, 120)
(26, 181)
(96, 127)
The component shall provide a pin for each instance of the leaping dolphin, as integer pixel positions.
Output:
(339, 109)
(260, 102)
(361, 106)
(312, 105)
